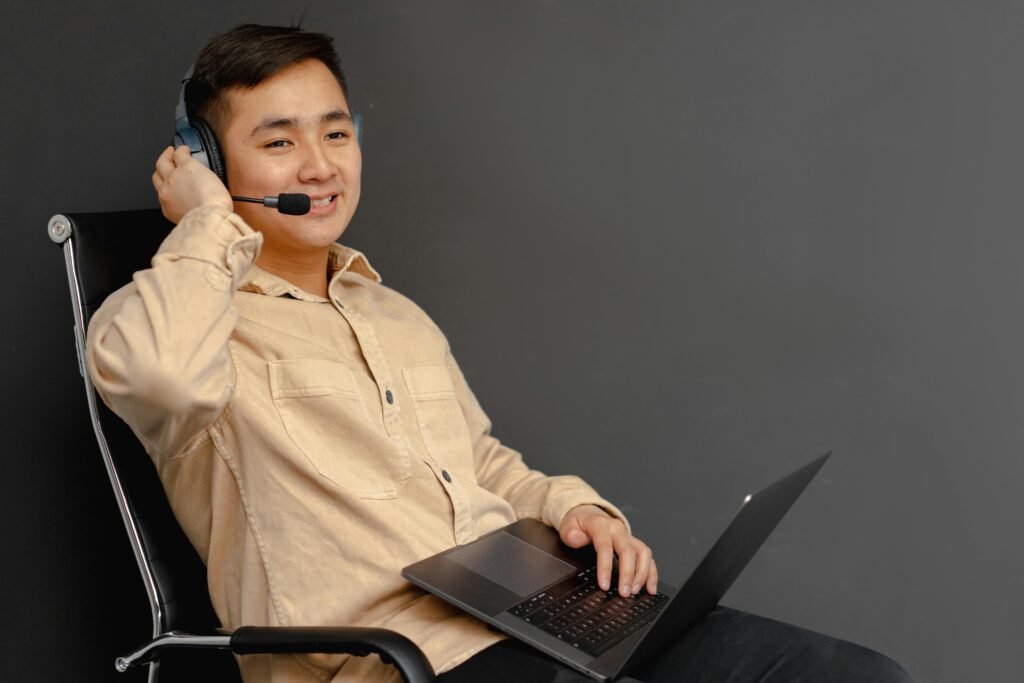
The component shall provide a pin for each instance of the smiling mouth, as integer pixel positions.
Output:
(323, 202)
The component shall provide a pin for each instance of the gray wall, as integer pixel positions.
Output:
(678, 247)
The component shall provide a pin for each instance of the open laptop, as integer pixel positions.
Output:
(523, 580)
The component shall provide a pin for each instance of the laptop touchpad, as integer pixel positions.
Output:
(511, 563)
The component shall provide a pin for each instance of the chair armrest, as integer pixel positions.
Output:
(393, 648)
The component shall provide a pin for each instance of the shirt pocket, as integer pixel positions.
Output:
(440, 417)
(325, 417)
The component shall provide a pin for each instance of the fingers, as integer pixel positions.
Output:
(652, 578)
(635, 561)
(572, 533)
(643, 570)
(164, 166)
(611, 538)
(170, 159)
(627, 570)
(183, 184)
(602, 541)
(181, 154)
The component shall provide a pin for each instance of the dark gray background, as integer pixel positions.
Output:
(678, 247)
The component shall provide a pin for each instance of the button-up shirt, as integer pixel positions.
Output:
(310, 447)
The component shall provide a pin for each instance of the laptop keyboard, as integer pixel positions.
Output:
(577, 611)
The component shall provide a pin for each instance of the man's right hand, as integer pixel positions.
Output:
(182, 184)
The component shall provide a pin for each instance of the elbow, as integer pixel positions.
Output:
(130, 384)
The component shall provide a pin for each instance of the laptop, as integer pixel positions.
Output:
(524, 581)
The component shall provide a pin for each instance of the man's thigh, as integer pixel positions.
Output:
(728, 646)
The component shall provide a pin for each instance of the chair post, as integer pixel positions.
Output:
(60, 229)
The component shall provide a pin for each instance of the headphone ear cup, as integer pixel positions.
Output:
(357, 123)
(209, 141)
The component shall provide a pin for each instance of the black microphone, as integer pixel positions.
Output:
(290, 204)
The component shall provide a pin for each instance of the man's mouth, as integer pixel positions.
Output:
(324, 201)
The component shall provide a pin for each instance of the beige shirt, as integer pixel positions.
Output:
(310, 447)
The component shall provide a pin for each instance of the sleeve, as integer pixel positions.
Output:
(501, 470)
(157, 349)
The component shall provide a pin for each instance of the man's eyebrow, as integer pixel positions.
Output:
(271, 122)
(336, 115)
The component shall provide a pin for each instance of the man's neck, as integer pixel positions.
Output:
(306, 270)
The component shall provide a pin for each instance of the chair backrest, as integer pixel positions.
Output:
(101, 252)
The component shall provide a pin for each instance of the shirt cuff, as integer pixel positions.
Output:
(556, 509)
(216, 236)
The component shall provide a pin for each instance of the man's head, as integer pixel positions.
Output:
(246, 56)
(276, 100)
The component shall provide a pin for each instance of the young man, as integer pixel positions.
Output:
(312, 430)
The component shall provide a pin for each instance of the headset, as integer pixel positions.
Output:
(198, 136)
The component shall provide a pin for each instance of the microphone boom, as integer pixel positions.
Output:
(290, 204)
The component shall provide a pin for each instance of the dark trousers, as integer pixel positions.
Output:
(727, 646)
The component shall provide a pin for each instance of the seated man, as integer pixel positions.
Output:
(311, 428)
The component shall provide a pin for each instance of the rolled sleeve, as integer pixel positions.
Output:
(157, 349)
(215, 236)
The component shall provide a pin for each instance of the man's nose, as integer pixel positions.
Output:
(315, 164)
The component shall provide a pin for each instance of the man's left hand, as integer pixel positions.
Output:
(587, 524)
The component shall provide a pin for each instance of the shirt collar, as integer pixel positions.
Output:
(341, 259)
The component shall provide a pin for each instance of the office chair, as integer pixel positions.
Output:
(101, 252)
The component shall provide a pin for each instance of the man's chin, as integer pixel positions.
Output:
(304, 236)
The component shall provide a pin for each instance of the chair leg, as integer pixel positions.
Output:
(150, 650)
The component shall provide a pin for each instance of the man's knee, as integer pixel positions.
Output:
(887, 670)
(818, 658)
(861, 665)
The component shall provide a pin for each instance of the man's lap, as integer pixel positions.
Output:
(727, 646)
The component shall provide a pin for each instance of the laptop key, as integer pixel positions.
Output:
(597, 642)
(577, 611)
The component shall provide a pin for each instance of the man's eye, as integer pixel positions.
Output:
(277, 143)
(337, 135)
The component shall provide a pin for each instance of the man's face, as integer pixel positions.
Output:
(293, 133)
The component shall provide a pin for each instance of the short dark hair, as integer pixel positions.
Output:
(246, 56)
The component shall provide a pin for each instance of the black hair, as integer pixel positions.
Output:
(246, 56)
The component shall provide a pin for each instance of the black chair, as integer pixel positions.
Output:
(101, 252)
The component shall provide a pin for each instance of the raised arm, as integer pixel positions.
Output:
(157, 348)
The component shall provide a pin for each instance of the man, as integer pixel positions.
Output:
(312, 430)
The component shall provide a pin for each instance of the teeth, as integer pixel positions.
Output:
(322, 202)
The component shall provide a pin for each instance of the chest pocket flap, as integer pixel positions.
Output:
(325, 417)
(440, 417)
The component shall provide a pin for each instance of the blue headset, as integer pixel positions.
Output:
(198, 136)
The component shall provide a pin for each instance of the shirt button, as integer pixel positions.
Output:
(447, 477)
(389, 396)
